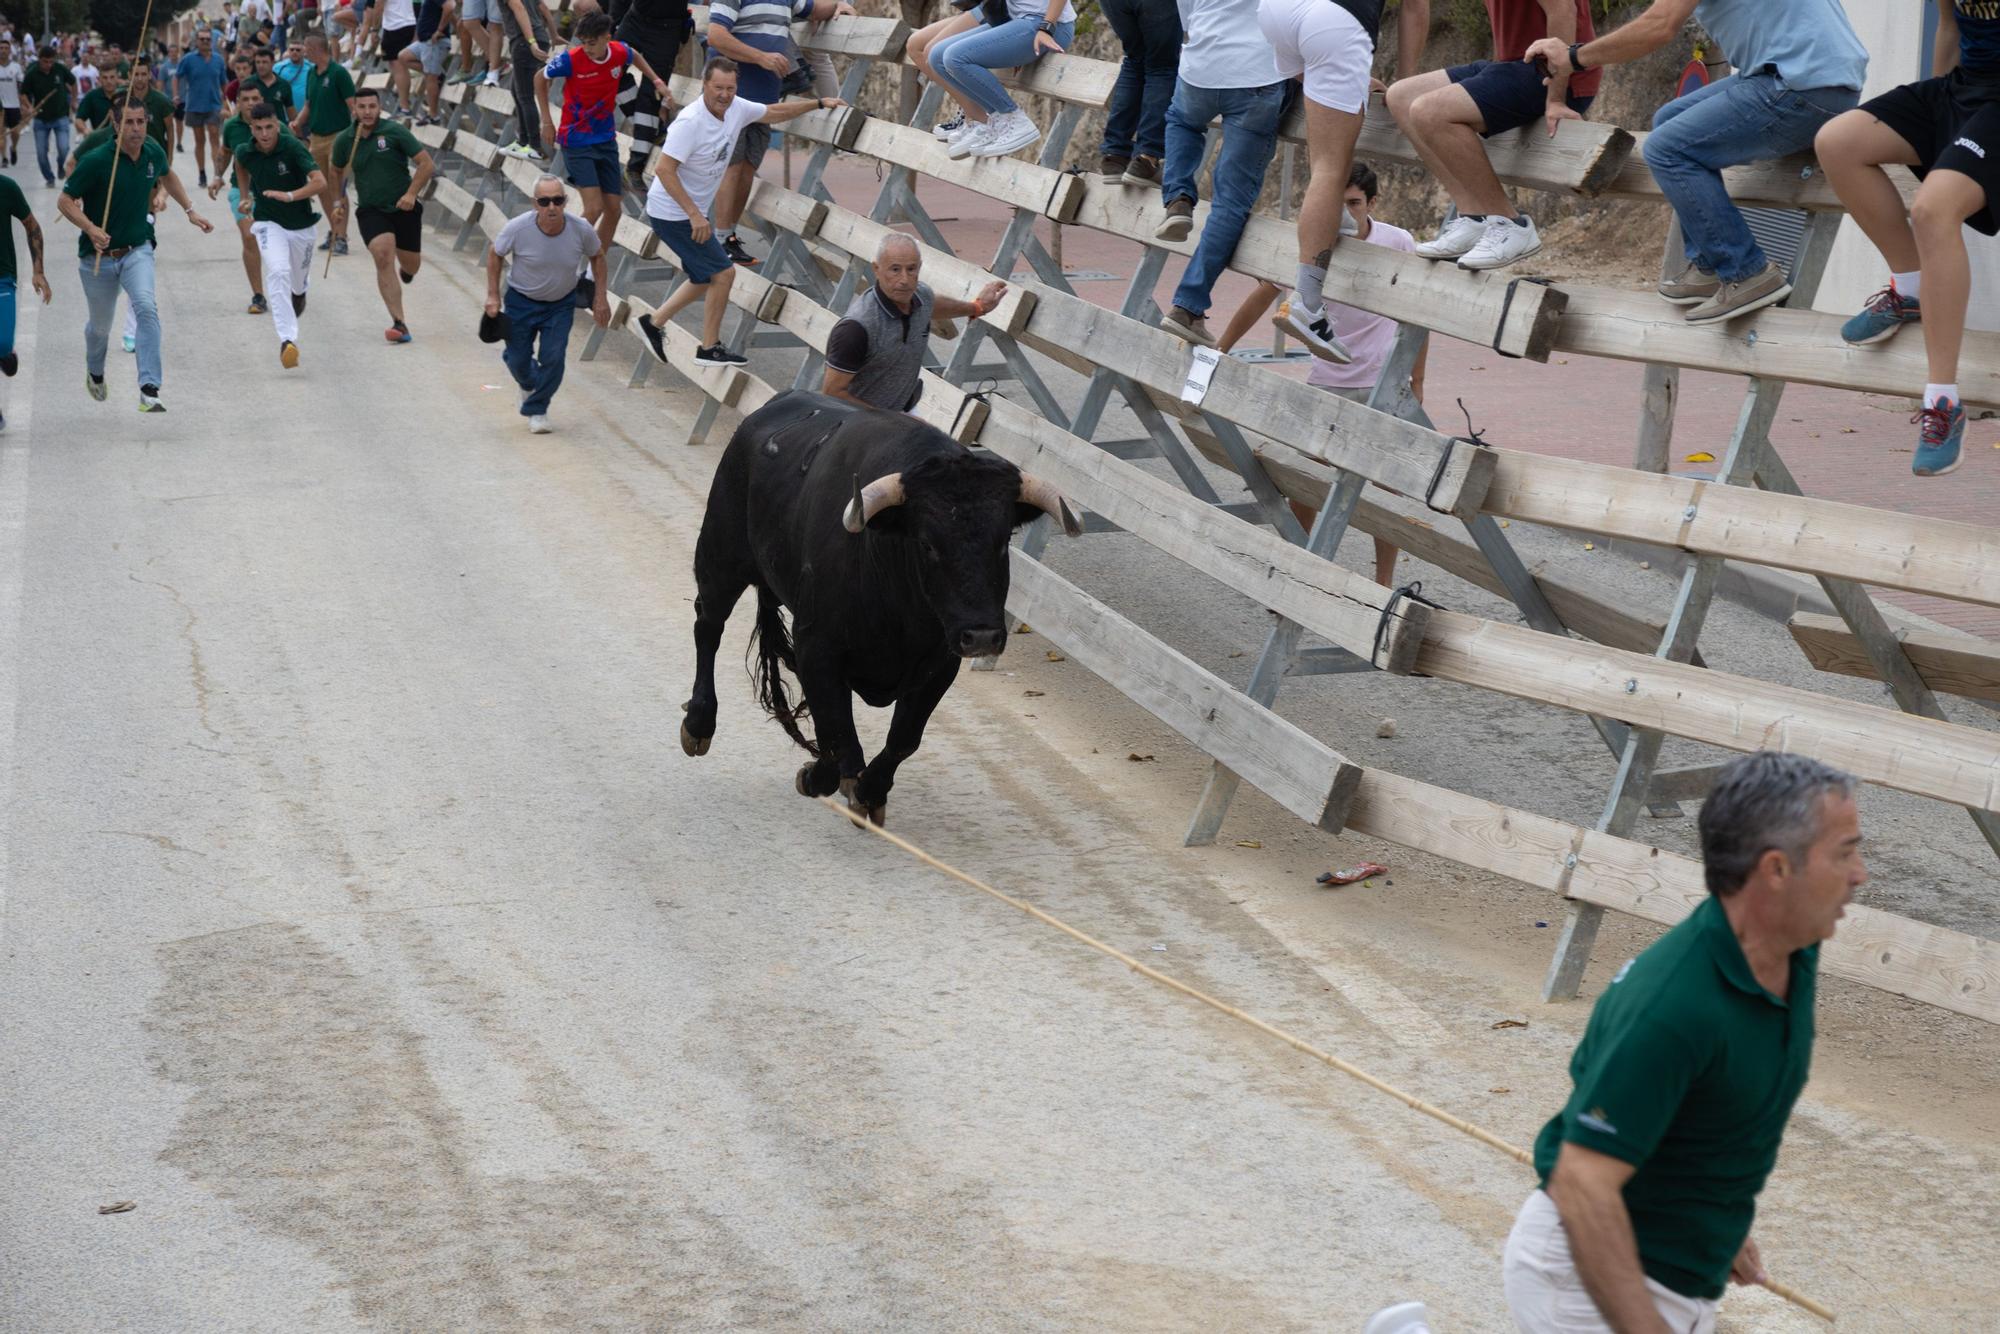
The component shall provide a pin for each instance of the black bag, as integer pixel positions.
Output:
(494, 328)
(586, 293)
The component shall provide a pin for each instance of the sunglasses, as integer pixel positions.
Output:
(550, 201)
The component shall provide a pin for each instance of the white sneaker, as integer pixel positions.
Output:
(1504, 242)
(969, 138)
(1007, 134)
(539, 426)
(492, 78)
(1455, 238)
(945, 129)
(1315, 330)
(1402, 1318)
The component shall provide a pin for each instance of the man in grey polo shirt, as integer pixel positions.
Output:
(875, 357)
(548, 248)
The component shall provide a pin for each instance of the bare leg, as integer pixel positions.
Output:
(731, 198)
(1444, 124)
(1249, 313)
(253, 259)
(1852, 148)
(595, 212)
(1944, 201)
(383, 251)
(1330, 138)
(711, 314)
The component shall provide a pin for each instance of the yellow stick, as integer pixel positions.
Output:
(1480, 1133)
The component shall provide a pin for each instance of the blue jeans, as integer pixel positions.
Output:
(132, 274)
(540, 372)
(966, 62)
(1250, 118)
(44, 129)
(1136, 121)
(1743, 118)
(6, 316)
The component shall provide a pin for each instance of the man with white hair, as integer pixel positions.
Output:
(875, 356)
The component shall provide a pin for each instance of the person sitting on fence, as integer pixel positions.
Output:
(757, 35)
(548, 247)
(1798, 66)
(875, 356)
(1370, 337)
(1445, 112)
(1329, 45)
(700, 144)
(964, 63)
(1688, 1070)
(964, 18)
(588, 127)
(1135, 124)
(1947, 128)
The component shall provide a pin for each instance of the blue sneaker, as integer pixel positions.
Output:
(1887, 311)
(1939, 440)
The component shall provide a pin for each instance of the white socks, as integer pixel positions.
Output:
(1907, 285)
(1934, 393)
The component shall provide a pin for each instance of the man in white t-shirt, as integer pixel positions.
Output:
(698, 147)
(85, 70)
(11, 74)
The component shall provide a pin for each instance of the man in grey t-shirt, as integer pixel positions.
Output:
(875, 356)
(548, 248)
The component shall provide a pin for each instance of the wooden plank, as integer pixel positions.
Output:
(1787, 182)
(1076, 81)
(1339, 604)
(1953, 664)
(858, 35)
(1475, 306)
(724, 384)
(1802, 346)
(1899, 750)
(1014, 181)
(1304, 775)
(1907, 551)
(1585, 157)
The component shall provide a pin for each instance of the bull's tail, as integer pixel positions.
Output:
(771, 641)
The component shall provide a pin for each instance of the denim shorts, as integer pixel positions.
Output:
(700, 261)
(594, 166)
(1508, 93)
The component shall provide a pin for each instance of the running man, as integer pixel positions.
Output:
(236, 138)
(587, 131)
(14, 204)
(202, 74)
(48, 88)
(108, 197)
(279, 180)
(381, 154)
(1947, 130)
(699, 146)
(11, 75)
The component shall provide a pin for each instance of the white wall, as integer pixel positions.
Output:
(1892, 30)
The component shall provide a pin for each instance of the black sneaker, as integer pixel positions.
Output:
(258, 306)
(203, 182)
(298, 303)
(340, 245)
(94, 386)
(9, 363)
(149, 399)
(635, 177)
(732, 245)
(718, 355)
(654, 339)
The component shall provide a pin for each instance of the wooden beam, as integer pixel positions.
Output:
(1014, 181)
(1585, 157)
(1787, 182)
(1907, 551)
(1343, 606)
(855, 35)
(1305, 776)
(1953, 664)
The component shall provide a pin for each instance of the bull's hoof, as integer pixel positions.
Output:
(692, 744)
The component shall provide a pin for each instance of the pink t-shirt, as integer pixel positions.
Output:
(1368, 336)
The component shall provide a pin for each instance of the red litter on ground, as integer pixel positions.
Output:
(1352, 874)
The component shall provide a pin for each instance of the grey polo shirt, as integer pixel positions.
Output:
(883, 348)
(545, 267)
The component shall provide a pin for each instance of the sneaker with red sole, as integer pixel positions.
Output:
(397, 333)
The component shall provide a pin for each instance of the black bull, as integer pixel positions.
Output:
(886, 540)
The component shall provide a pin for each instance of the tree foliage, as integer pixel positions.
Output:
(118, 20)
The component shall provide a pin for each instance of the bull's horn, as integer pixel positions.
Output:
(1044, 497)
(871, 500)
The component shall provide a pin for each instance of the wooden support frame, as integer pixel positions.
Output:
(1952, 664)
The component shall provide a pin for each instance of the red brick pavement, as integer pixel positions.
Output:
(1841, 445)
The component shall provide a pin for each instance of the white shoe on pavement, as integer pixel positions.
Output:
(1313, 329)
(1008, 134)
(1454, 238)
(539, 426)
(1402, 1318)
(1504, 242)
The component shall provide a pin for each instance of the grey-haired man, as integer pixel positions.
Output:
(1688, 1071)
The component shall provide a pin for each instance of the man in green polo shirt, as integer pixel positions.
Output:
(278, 181)
(235, 138)
(328, 109)
(46, 88)
(14, 204)
(1688, 1070)
(94, 108)
(108, 197)
(159, 117)
(380, 153)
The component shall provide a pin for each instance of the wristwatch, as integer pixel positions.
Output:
(1575, 62)
(1048, 26)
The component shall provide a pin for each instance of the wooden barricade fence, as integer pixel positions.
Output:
(1292, 442)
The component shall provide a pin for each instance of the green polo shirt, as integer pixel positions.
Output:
(326, 95)
(13, 204)
(381, 161)
(131, 198)
(286, 167)
(94, 107)
(159, 112)
(1688, 1070)
(51, 90)
(277, 92)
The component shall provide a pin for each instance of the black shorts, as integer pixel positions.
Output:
(395, 39)
(407, 228)
(11, 115)
(1508, 93)
(1953, 123)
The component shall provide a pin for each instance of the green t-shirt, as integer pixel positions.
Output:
(94, 107)
(381, 161)
(327, 96)
(1688, 1070)
(131, 198)
(286, 167)
(51, 89)
(13, 204)
(277, 92)
(159, 115)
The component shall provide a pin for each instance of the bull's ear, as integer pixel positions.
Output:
(895, 519)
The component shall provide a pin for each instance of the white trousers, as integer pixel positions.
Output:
(1546, 1294)
(288, 257)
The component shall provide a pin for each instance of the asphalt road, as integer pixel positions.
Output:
(366, 929)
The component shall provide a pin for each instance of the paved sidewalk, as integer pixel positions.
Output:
(1842, 446)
